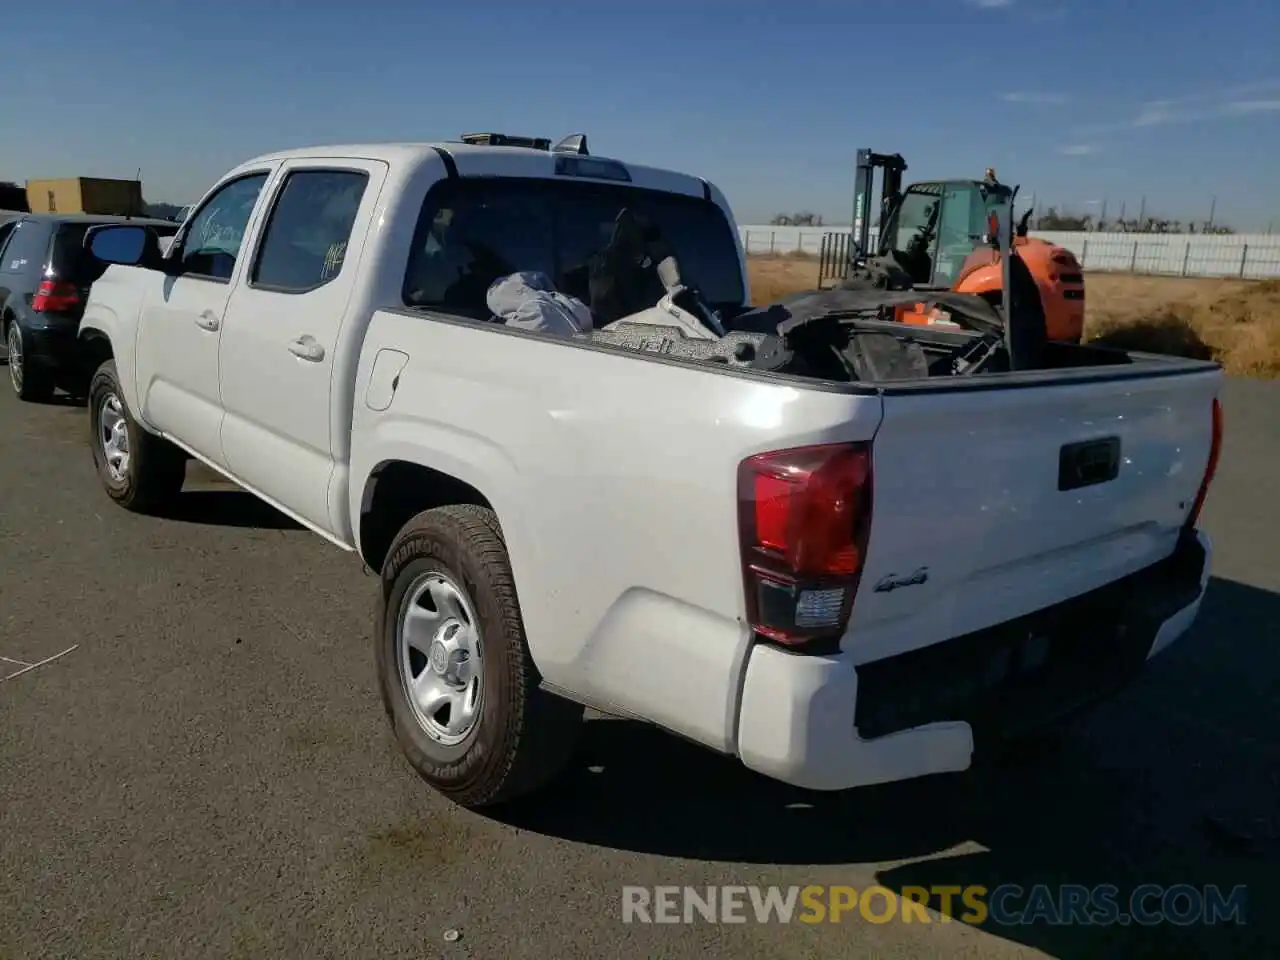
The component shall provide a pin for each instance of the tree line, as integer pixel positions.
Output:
(1053, 219)
(802, 219)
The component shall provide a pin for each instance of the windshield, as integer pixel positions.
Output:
(915, 221)
(471, 232)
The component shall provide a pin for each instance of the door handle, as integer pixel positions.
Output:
(307, 348)
(208, 321)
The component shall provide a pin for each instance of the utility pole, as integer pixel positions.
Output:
(1142, 213)
(1213, 207)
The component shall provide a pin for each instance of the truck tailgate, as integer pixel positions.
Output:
(994, 503)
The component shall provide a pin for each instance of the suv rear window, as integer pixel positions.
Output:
(471, 232)
(71, 262)
(28, 245)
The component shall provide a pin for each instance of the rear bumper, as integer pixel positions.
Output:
(51, 347)
(824, 724)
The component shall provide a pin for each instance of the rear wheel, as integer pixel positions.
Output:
(139, 470)
(458, 684)
(28, 382)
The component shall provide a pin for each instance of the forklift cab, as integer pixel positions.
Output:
(933, 227)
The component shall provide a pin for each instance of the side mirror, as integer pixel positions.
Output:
(124, 243)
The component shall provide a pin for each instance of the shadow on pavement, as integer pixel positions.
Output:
(65, 400)
(1176, 781)
(227, 508)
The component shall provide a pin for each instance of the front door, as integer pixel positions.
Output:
(281, 353)
(182, 319)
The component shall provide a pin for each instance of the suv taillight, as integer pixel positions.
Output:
(804, 516)
(1211, 468)
(54, 296)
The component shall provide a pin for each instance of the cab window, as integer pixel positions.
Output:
(304, 243)
(210, 241)
(963, 224)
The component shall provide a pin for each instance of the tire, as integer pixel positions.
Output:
(521, 736)
(152, 470)
(29, 383)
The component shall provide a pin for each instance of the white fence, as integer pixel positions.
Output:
(1247, 255)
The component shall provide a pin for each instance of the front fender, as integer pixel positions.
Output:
(112, 312)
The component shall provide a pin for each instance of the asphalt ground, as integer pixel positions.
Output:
(206, 770)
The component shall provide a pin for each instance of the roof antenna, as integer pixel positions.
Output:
(574, 143)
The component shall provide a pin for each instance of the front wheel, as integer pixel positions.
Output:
(458, 683)
(139, 470)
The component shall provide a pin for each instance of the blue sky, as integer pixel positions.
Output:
(1076, 100)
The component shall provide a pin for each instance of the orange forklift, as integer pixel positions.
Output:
(935, 235)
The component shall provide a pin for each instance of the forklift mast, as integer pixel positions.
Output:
(867, 161)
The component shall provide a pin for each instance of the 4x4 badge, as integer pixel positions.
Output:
(892, 581)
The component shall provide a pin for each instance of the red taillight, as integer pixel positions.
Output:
(1215, 451)
(53, 296)
(804, 516)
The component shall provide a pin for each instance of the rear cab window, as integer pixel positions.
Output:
(472, 232)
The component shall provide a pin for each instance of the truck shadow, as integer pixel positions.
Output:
(228, 507)
(1173, 782)
(69, 400)
(211, 499)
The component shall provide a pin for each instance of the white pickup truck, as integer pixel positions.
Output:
(839, 577)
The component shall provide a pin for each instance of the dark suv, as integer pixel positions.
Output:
(45, 277)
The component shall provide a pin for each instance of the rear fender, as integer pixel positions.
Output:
(463, 457)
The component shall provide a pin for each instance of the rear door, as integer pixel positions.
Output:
(993, 503)
(280, 343)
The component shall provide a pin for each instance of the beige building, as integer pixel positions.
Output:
(86, 195)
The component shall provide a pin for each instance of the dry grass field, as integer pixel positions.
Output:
(1236, 322)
